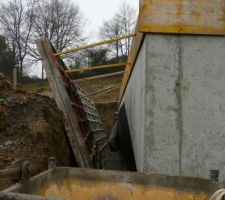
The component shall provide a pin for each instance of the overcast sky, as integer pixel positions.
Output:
(96, 12)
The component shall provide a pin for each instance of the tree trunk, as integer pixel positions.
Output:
(21, 70)
(117, 52)
(42, 72)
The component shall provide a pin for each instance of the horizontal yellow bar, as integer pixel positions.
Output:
(94, 44)
(89, 68)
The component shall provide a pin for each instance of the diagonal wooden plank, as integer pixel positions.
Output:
(63, 102)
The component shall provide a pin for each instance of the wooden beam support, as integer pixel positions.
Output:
(99, 77)
(63, 102)
(105, 90)
(90, 68)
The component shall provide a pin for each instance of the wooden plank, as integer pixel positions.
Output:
(98, 77)
(63, 102)
(109, 102)
(105, 91)
(91, 68)
(183, 16)
(86, 157)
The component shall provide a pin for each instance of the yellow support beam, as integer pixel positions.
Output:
(94, 44)
(182, 17)
(89, 68)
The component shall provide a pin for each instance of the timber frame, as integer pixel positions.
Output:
(83, 126)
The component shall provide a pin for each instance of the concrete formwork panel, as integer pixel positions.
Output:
(175, 105)
(161, 151)
(203, 105)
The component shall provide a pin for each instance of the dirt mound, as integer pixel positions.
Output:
(31, 128)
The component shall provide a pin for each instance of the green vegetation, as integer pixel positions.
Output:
(4, 100)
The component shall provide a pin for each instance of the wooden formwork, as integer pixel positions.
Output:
(81, 120)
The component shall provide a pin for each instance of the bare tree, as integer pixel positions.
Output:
(60, 21)
(6, 58)
(122, 23)
(127, 17)
(112, 29)
(16, 20)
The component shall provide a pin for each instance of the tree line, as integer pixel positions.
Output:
(62, 22)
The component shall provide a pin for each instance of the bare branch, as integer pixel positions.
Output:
(122, 23)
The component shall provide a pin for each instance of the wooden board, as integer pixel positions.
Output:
(183, 16)
(99, 77)
(82, 122)
(63, 102)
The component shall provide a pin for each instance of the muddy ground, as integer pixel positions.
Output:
(30, 129)
(31, 126)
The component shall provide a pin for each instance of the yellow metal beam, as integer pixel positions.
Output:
(94, 44)
(182, 17)
(89, 68)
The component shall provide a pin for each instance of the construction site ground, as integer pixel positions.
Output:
(31, 126)
(106, 103)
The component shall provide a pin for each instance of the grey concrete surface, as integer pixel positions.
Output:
(203, 105)
(175, 102)
(161, 149)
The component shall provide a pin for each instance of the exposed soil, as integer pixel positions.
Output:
(106, 103)
(31, 128)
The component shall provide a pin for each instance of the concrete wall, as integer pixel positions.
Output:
(161, 149)
(177, 93)
(203, 105)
